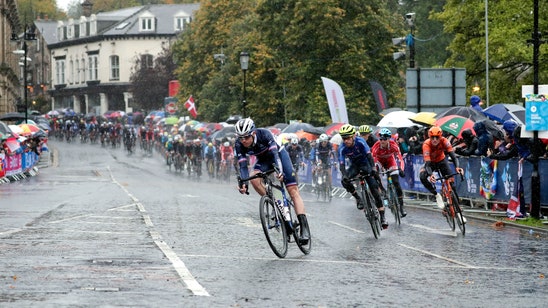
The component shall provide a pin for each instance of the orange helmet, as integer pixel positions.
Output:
(434, 131)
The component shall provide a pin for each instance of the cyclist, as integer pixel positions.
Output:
(433, 151)
(296, 154)
(359, 154)
(366, 133)
(323, 154)
(169, 150)
(209, 154)
(260, 143)
(385, 151)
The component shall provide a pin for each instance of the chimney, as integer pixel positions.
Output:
(86, 8)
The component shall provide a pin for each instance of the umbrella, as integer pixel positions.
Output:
(397, 119)
(213, 127)
(309, 136)
(171, 120)
(274, 130)
(424, 118)
(333, 128)
(4, 128)
(454, 124)
(53, 113)
(518, 116)
(12, 116)
(29, 129)
(462, 111)
(497, 112)
(16, 129)
(297, 126)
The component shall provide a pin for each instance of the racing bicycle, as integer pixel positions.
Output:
(371, 212)
(452, 210)
(391, 195)
(278, 216)
(323, 183)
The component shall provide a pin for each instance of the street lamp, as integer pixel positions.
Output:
(28, 35)
(244, 64)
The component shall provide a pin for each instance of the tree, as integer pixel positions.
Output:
(150, 84)
(510, 57)
(292, 44)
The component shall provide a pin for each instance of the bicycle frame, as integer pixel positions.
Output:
(452, 208)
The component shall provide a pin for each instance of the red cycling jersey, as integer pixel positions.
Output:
(226, 152)
(385, 155)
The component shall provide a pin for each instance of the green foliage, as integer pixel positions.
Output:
(150, 85)
(292, 45)
(510, 57)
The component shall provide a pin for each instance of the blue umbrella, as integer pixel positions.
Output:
(496, 112)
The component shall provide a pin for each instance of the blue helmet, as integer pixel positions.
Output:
(385, 132)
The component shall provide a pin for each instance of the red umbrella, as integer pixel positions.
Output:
(333, 128)
(454, 124)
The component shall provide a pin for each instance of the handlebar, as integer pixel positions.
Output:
(262, 175)
(447, 176)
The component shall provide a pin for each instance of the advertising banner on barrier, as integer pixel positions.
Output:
(484, 178)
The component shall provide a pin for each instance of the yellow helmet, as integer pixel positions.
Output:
(347, 130)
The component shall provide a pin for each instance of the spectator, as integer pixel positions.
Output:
(470, 143)
(485, 139)
(476, 102)
(506, 149)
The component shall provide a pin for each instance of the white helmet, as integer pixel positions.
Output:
(245, 127)
(226, 144)
(294, 141)
(323, 137)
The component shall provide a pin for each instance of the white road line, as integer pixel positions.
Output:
(438, 256)
(346, 227)
(437, 231)
(190, 282)
(123, 207)
(10, 231)
(67, 219)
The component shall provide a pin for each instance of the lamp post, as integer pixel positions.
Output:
(28, 35)
(244, 64)
(410, 18)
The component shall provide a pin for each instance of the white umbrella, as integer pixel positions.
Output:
(397, 119)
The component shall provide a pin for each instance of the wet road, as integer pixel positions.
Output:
(103, 228)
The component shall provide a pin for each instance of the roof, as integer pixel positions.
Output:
(48, 30)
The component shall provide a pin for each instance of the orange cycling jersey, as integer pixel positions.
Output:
(436, 153)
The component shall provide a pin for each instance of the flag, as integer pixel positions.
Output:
(335, 100)
(380, 96)
(517, 200)
(488, 178)
(189, 105)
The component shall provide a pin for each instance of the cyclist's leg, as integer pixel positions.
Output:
(349, 186)
(373, 187)
(399, 191)
(257, 183)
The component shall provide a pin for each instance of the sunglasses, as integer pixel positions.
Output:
(384, 138)
(434, 137)
(245, 137)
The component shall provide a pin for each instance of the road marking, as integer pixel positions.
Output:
(436, 231)
(123, 207)
(10, 231)
(438, 256)
(346, 227)
(247, 222)
(190, 282)
(67, 219)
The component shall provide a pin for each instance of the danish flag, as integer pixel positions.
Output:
(189, 105)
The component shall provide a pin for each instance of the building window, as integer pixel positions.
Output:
(83, 70)
(147, 61)
(180, 23)
(60, 71)
(114, 68)
(77, 71)
(147, 24)
(93, 67)
(71, 70)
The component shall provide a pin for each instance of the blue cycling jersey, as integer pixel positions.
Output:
(264, 147)
(357, 154)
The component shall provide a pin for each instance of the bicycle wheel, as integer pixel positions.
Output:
(273, 226)
(449, 213)
(305, 248)
(394, 204)
(458, 213)
(372, 214)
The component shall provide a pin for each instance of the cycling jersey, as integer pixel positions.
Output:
(357, 154)
(385, 156)
(322, 153)
(226, 152)
(436, 154)
(267, 152)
